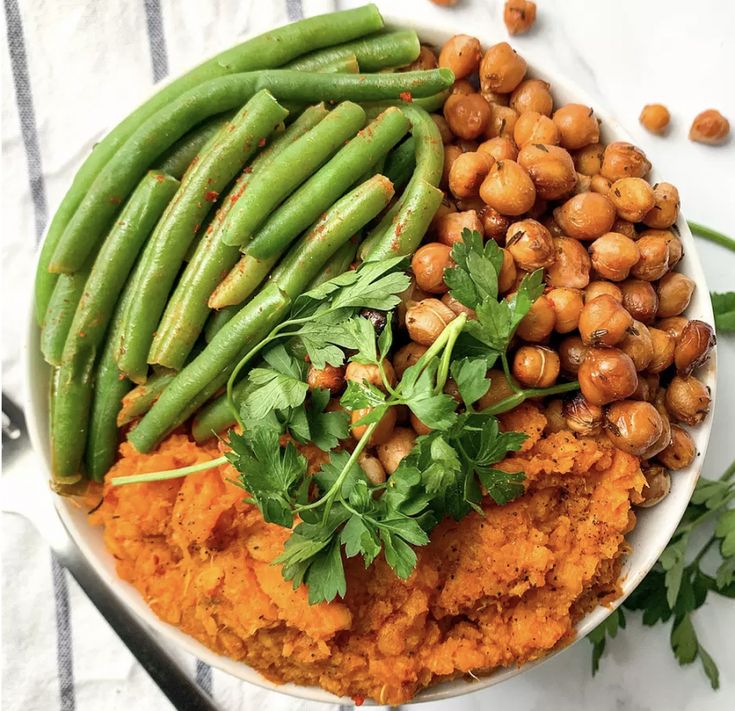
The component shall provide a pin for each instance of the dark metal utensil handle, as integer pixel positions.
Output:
(165, 671)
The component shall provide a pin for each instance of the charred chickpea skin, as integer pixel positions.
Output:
(427, 319)
(468, 115)
(613, 256)
(633, 425)
(571, 265)
(508, 188)
(406, 356)
(330, 378)
(396, 448)
(693, 346)
(577, 126)
(530, 245)
(519, 16)
(502, 69)
(533, 127)
(638, 344)
(582, 416)
(461, 54)
(449, 227)
(680, 452)
(709, 127)
(572, 352)
(502, 122)
(674, 292)
(663, 350)
(428, 265)
(500, 148)
(598, 288)
(640, 300)
(604, 322)
(688, 399)
(538, 324)
(658, 485)
(532, 95)
(467, 173)
(655, 118)
(633, 198)
(624, 160)
(607, 375)
(551, 168)
(653, 261)
(508, 273)
(586, 216)
(536, 366)
(568, 304)
(494, 224)
(499, 389)
(665, 210)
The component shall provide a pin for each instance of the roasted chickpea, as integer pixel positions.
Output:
(552, 225)
(381, 433)
(519, 16)
(600, 184)
(502, 122)
(368, 373)
(445, 3)
(583, 183)
(638, 344)
(613, 255)
(568, 304)
(530, 244)
(585, 216)
(449, 228)
(633, 198)
(674, 293)
(588, 160)
(539, 322)
(604, 322)
(494, 224)
(665, 210)
(633, 426)
(624, 160)
(676, 250)
(424, 62)
(467, 173)
(502, 69)
(467, 115)
(427, 319)
(451, 153)
(499, 389)
(412, 295)
(624, 228)
(372, 467)
(693, 346)
(709, 127)
(508, 273)
(406, 356)
(508, 188)
(464, 87)
(393, 450)
(444, 130)
(532, 95)
(647, 386)
(533, 127)
(606, 375)
(554, 413)
(582, 417)
(471, 203)
(500, 148)
(428, 265)
(653, 261)
(536, 366)
(461, 54)
(419, 427)
(457, 306)
(680, 452)
(640, 300)
(687, 399)
(663, 350)
(571, 265)
(674, 325)
(577, 126)
(551, 168)
(598, 288)
(329, 377)
(658, 485)
(572, 352)
(655, 118)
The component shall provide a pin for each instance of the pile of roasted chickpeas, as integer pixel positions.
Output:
(536, 178)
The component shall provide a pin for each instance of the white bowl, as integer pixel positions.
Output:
(655, 525)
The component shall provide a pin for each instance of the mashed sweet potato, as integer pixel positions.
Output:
(487, 592)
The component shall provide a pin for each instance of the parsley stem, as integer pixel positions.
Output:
(687, 528)
(506, 369)
(513, 401)
(728, 472)
(712, 235)
(703, 551)
(436, 347)
(168, 474)
(443, 371)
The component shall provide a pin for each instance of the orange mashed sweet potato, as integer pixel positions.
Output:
(489, 591)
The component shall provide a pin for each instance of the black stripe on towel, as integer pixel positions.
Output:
(156, 39)
(64, 655)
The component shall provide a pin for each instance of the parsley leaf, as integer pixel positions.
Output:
(474, 279)
(724, 308)
(607, 628)
(469, 375)
(326, 429)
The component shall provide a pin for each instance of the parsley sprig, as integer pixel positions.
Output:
(681, 580)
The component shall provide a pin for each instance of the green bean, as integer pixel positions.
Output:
(430, 104)
(179, 157)
(374, 52)
(217, 320)
(241, 281)
(338, 264)
(169, 242)
(120, 175)
(320, 191)
(267, 50)
(217, 416)
(297, 163)
(400, 164)
(141, 398)
(187, 309)
(60, 313)
(340, 65)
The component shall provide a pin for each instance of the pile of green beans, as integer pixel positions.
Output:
(139, 279)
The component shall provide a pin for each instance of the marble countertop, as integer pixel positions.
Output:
(626, 54)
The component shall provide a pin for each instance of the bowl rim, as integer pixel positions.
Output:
(129, 596)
